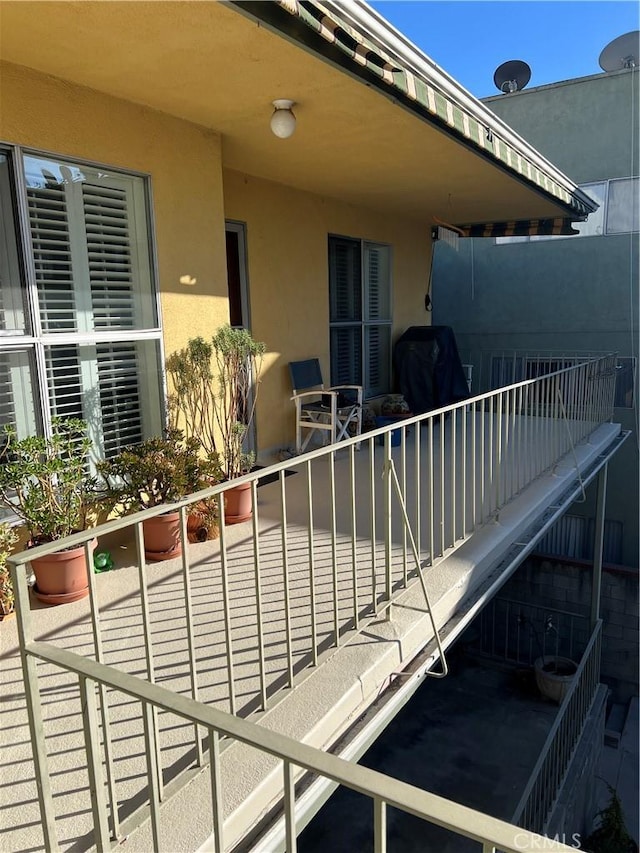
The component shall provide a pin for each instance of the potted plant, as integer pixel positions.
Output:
(157, 471)
(193, 396)
(44, 481)
(8, 538)
(238, 360)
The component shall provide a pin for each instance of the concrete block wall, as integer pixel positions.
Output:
(566, 585)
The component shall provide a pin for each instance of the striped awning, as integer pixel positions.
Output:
(424, 97)
(521, 228)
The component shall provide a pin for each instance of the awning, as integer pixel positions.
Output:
(422, 94)
(522, 228)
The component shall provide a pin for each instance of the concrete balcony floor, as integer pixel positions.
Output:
(326, 699)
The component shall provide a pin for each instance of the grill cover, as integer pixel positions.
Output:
(428, 368)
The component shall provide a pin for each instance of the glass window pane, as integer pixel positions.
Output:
(345, 280)
(346, 355)
(90, 246)
(378, 354)
(623, 214)
(377, 278)
(595, 221)
(625, 381)
(12, 314)
(17, 392)
(114, 387)
(593, 226)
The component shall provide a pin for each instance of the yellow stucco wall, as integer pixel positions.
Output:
(183, 160)
(286, 229)
(288, 279)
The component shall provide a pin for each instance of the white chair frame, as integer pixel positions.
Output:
(313, 413)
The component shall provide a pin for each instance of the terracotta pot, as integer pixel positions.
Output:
(201, 523)
(162, 537)
(61, 577)
(238, 504)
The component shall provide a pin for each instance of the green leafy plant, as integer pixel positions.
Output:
(44, 480)
(611, 836)
(238, 360)
(8, 539)
(157, 471)
(193, 396)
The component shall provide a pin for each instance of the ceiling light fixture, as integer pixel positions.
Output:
(283, 121)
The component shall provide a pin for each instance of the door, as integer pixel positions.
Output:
(238, 289)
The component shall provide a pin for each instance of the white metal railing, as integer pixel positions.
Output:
(494, 835)
(322, 567)
(492, 368)
(518, 632)
(537, 801)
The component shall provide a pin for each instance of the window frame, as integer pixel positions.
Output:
(364, 324)
(602, 213)
(33, 339)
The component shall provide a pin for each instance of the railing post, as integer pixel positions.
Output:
(34, 708)
(598, 542)
(388, 581)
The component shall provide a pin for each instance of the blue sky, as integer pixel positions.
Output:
(558, 39)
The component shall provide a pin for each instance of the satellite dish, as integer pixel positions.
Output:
(512, 76)
(621, 53)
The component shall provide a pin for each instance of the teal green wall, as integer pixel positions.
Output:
(575, 294)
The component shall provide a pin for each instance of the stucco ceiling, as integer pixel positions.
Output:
(207, 63)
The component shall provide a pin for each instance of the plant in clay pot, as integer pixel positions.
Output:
(193, 396)
(44, 481)
(8, 538)
(192, 410)
(214, 390)
(157, 471)
(238, 359)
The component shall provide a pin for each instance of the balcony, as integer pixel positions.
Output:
(357, 562)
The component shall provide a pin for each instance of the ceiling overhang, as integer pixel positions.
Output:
(384, 139)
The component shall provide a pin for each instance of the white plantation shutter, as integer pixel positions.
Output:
(346, 280)
(346, 355)
(378, 360)
(91, 262)
(51, 243)
(120, 397)
(345, 298)
(377, 276)
(377, 310)
(64, 382)
(109, 257)
(360, 314)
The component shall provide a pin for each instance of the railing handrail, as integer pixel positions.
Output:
(115, 525)
(401, 795)
(549, 742)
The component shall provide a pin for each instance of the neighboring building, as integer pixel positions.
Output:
(570, 295)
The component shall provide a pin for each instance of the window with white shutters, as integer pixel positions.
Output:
(91, 341)
(360, 314)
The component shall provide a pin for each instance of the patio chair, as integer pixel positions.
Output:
(336, 411)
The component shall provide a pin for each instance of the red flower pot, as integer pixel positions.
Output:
(238, 504)
(61, 577)
(162, 537)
